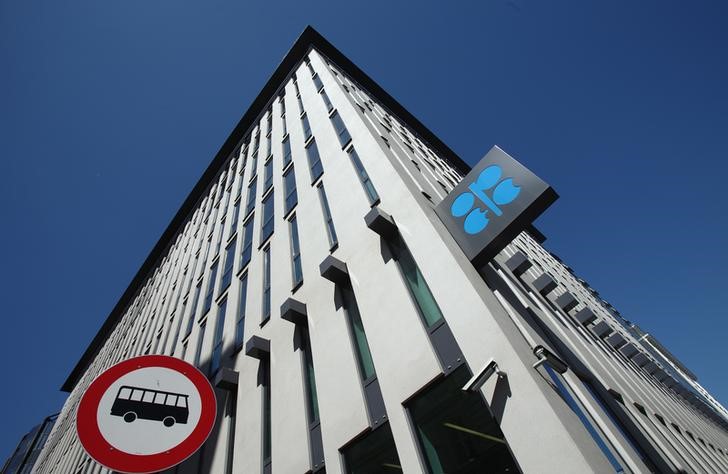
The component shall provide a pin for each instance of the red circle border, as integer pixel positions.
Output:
(105, 454)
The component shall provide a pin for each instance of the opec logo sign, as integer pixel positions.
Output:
(496, 201)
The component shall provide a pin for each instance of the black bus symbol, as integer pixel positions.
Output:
(148, 404)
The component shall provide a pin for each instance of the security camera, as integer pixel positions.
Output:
(546, 356)
(477, 380)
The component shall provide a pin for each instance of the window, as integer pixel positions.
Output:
(210, 288)
(363, 177)
(456, 431)
(281, 100)
(247, 242)
(240, 323)
(286, 152)
(266, 417)
(195, 299)
(306, 127)
(251, 197)
(227, 273)
(269, 143)
(359, 337)
(254, 163)
(340, 128)
(200, 340)
(267, 228)
(317, 82)
(217, 343)
(218, 242)
(289, 182)
(416, 284)
(330, 231)
(327, 101)
(268, 175)
(373, 454)
(236, 216)
(296, 269)
(314, 160)
(266, 283)
(309, 378)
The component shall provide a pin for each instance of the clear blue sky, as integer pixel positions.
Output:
(111, 110)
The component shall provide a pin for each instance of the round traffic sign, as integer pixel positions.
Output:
(146, 414)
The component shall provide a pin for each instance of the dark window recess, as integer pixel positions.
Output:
(363, 176)
(456, 432)
(286, 151)
(327, 101)
(296, 269)
(267, 175)
(217, 343)
(251, 197)
(289, 183)
(266, 417)
(210, 288)
(195, 299)
(340, 128)
(359, 337)
(330, 230)
(306, 127)
(227, 273)
(236, 216)
(314, 161)
(240, 323)
(267, 222)
(266, 284)
(374, 453)
(317, 82)
(247, 242)
(200, 340)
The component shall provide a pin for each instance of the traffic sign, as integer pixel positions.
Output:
(146, 414)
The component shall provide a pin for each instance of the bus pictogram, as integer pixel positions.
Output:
(149, 404)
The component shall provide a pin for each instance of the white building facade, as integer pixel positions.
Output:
(308, 275)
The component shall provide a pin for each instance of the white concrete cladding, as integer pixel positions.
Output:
(604, 414)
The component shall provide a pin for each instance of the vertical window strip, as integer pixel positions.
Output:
(306, 127)
(210, 288)
(266, 284)
(247, 242)
(330, 230)
(327, 101)
(296, 268)
(252, 189)
(314, 160)
(266, 425)
(217, 343)
(289, 182)
(268, 218)
(228, 266)
(267, 175)
(200, 341)
(363, 177)
(240, 321)
(340, 128)
(193, 309)
(287, 157)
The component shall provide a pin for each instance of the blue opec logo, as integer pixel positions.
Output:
(476, 217)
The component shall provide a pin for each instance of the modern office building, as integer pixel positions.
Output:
(26, 452)
(309, 276)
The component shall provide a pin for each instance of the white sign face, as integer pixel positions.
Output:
(146, 414)
(149, 411)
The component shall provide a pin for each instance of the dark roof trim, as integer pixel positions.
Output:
(310, 38)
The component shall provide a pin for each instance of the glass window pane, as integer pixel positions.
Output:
(314, 161)
(364, 356)
(416, 283)
(375, 453)
(456, 431)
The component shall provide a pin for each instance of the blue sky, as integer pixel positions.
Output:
(110, 111)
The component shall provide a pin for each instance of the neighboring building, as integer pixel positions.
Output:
(270, 273)
(27, 451)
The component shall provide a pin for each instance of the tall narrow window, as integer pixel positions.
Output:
(266, 417)
(217, 342)
(314, 160)
(289, 182)
(254, 163)
(267, 222)
(234, 220)
(250, 205)
(228, 265)
(267, 175)
(266, 284)
(373, 453)
(240, 322)
(282, 102)
(195, 299)
(363, 177)
(210, 288)
(286, 151)
(340, 128)
(327, 101)
(330, 231)
(269, 143)
(317, 82)
(416, 283)
(359, 337)
(296, 269)
(247, 242)
(200, 341)
(309, 378)
(306, 127)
